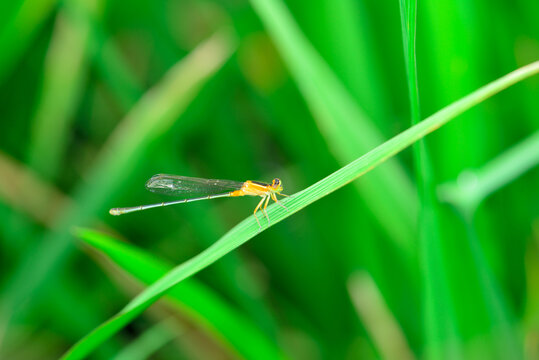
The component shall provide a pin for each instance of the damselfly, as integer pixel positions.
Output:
(189, 189)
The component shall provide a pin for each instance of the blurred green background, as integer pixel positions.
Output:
(97, 96)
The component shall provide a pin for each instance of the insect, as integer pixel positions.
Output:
(189, 189)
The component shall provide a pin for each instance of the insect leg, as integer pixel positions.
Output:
(256, 209)
(264, 209)
(277, 201)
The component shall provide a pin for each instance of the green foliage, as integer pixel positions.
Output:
(192, 298)
(99, 96)
(249, 227)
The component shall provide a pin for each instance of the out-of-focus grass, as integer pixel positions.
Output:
(294, 102)
(154, 113)
(150, 341)
(374, 313)
(193, 299)
(473, 186)
(439, 323)
(63, 84)
(21, 25)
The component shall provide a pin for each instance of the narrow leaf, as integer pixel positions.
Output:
(248, 228)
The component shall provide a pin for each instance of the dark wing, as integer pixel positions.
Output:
(184, 187)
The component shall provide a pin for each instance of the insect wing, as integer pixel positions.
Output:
(184, 187)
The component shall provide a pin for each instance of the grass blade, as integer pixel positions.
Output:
(439, 324)
(19, 31)
(203, 306)
(473, 186)
(408, 20)
(377, 318)
(63, 83)
(150, 341)
(248, 228)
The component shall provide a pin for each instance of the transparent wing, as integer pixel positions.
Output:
(184, 187)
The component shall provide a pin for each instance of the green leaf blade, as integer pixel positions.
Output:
(248, 228)
(202, 305)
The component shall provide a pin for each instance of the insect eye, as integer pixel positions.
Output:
(276, 182)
